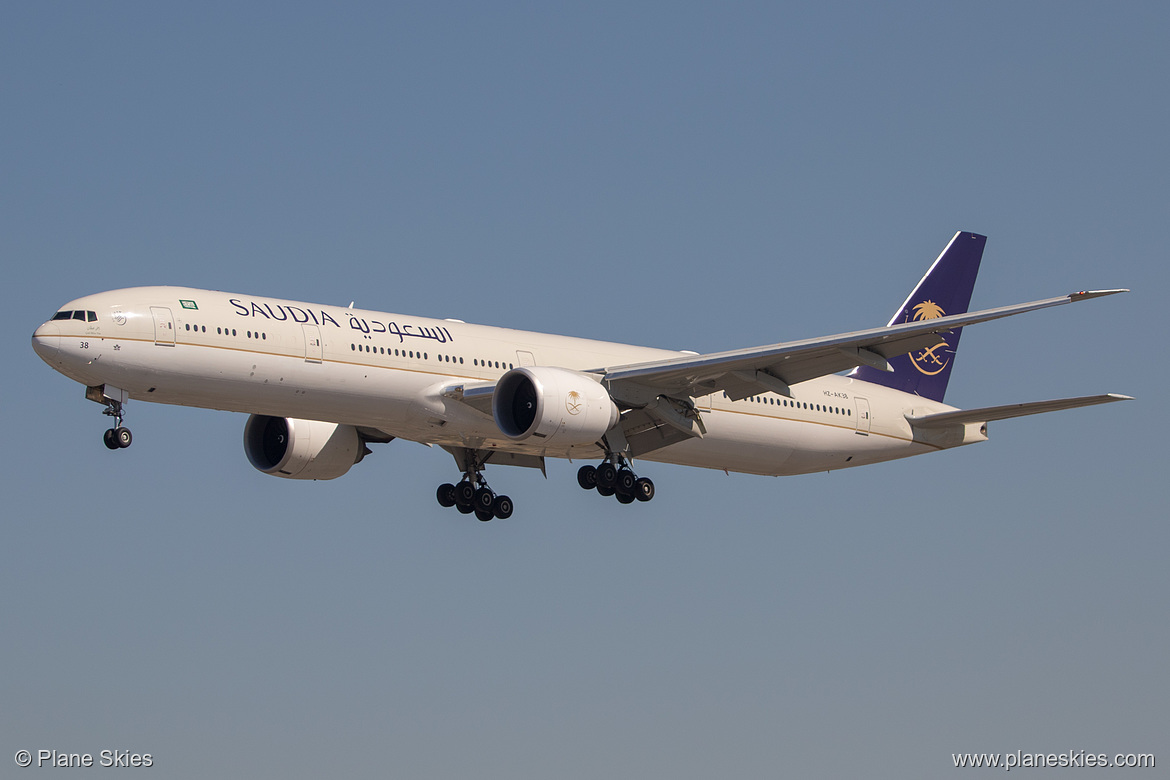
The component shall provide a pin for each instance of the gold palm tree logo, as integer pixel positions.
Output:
(573, 402)
(928, 310)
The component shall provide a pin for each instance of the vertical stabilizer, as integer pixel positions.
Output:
(946, 289)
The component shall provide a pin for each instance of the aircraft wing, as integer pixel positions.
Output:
(746, 372)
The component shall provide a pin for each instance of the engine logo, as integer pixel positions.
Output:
(573, 403)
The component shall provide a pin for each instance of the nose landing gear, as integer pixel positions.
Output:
(113, 398)
(118, 437)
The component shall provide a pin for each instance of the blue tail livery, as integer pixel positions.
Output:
(945, 290)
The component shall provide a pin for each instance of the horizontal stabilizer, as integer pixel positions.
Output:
(989, 413)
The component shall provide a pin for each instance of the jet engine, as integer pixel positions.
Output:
(547, 403)
(301, 449)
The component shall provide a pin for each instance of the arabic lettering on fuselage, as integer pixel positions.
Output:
(283, 312)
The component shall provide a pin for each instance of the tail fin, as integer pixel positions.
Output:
(946, 289)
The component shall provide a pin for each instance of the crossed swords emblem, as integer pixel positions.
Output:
(932, 356)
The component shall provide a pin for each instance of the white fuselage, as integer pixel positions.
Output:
(385, 371)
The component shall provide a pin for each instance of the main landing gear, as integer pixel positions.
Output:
(616, 480)
(473, 495)
(118, 437)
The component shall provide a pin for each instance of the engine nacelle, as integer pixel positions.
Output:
(547, 403)
(301, 449)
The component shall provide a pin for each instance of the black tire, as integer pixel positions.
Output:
(587, 477)
(625, 481)
(643, 489)
(484, 498)
(465, 509)
(108, 438)
(606, 475)
(123, 437)
(502, 507)
(465, 494)
(484, 515)
(446, 495)
(625, 498)
(603, 490)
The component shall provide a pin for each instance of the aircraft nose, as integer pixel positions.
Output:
(46, 341)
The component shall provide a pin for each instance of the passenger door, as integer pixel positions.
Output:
(863, 420)
(164, 326)
(313, 349)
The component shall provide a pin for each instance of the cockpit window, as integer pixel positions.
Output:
(83, 315)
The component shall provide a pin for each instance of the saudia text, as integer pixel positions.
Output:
(283, 312)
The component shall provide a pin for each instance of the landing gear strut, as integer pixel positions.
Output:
(614, 477)
(473, 494)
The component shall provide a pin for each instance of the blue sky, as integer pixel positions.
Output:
(666, 174)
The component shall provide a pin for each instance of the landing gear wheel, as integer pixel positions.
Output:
(465, 494)
(587, 477)
(625, 481)
(123, 437)
(607, 475)
(472, 494)
(502, 507)
(605, 491)
(446, 495)
(108, 438)
(625, 498)
(484, 498)
(643, 489)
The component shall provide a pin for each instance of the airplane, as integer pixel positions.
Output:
(322, 382)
